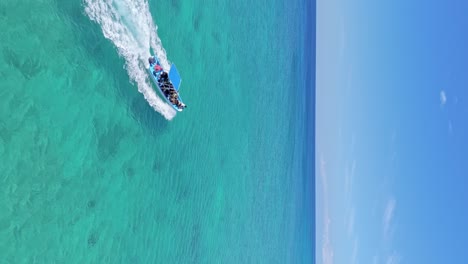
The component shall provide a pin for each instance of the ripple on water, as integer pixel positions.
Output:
(29, 67)
(93, 238)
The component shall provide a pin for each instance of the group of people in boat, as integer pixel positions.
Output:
(166, 86)
(168, 89)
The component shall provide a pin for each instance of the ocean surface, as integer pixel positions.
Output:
(96, 168)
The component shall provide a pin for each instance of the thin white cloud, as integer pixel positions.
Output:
(351, 222)
(390, 256)
(388, 217)
(393, 259)
(355, 251)
(375, 260)
(327, 249)
(443, 98)
(342, 36)
(349, 177)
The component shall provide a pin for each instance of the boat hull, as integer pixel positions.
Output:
(154, 75)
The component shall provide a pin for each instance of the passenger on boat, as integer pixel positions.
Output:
(157, 68)
(173, 100)
(173, 93)
(151, 60)
(164, 77)
(166, 91)
(166, 86)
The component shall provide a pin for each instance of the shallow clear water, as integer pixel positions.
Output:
(95, 169)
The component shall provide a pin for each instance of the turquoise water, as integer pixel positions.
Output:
(96, 169)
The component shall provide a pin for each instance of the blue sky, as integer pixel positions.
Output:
(392, 131)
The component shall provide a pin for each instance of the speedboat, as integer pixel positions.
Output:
(168, 83)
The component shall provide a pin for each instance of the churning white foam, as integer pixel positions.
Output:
(129, 25)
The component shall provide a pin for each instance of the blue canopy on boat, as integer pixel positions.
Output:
(175, 77)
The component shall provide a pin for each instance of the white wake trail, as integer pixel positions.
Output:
(129, 25)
